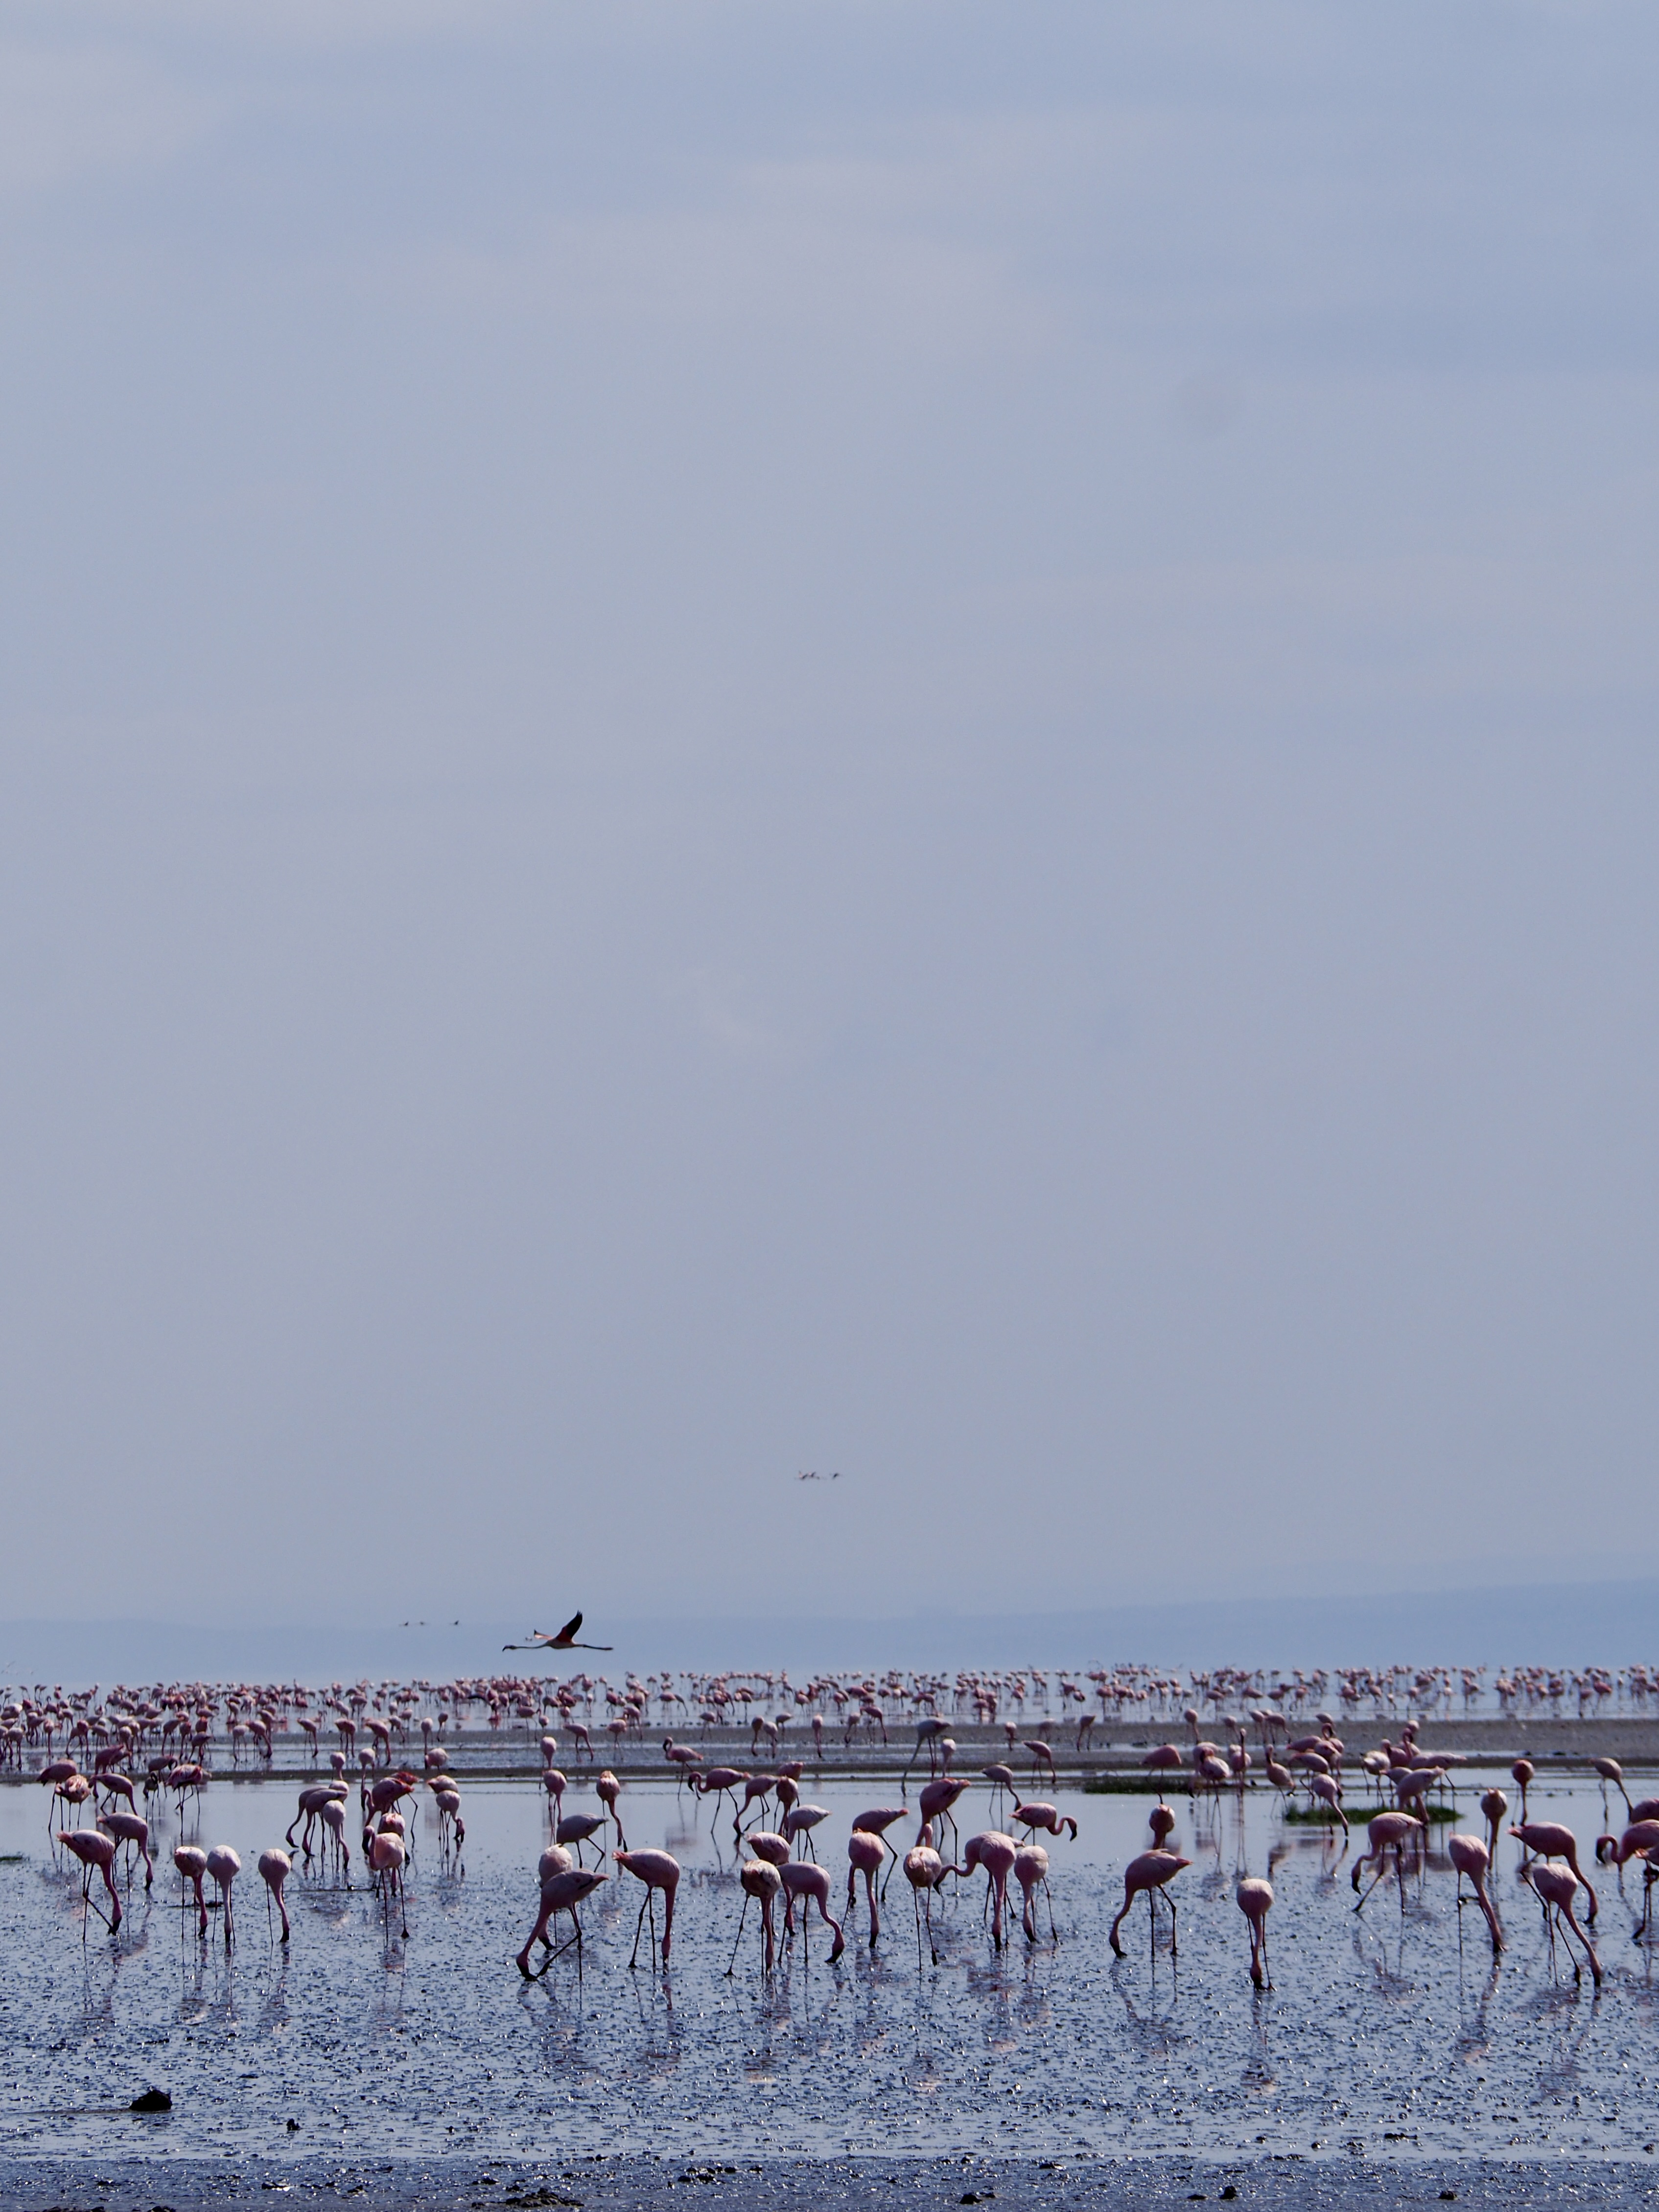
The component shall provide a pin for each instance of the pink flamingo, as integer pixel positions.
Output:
(866, 1855)
(1551, 1841)
(1522, 1773)
(761, 1881)
(1030, 1872)
(578, 1828)
(386, 1854)
(1640, 1840)
(800, 1821)
(275, 1867)
(925, 1871)
(1041, 1755)
(658, 1871)
(1149, 1872)
(1469, 1854)
(191, 1863)
(1255, 1902)
(764, 1844)
(95, 1851)
(132, 1829)
(555, 1785)
(996, 1853)
(1324, 1787)
(936, 1800)
(1161, 1822)
(876, 1820)
(806, 1880)
(1493, 1805)
(607, 1789)
(1556, 1887)
(1164, 1759)
(222, 1867)
(1047, 1819)
(554, 1859)
(1388, 1832)
(563, 1893)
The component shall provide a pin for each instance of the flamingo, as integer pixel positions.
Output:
(1047, 1819)
(191, 1863)
(1470, 1856)
(658, 1871)
(222, 1867)
(996, 1853)
(95, 1849)
(1031, 1871)
(807, 1880)
(275, 1867)
(925, 1871)
(1551, 1841)
(607, 1789)
(133, 1829)
(865, 1855)
(563, 1893)
(563, 1640)
(1388, 1832)
(1556, 1887)
(761, 1881)
(1149, 1872)
(1254, 1897)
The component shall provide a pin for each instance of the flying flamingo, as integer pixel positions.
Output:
(1255, 1901)
(94, 1849)
(275, 1867)
(807, 1880)
(222, 1867)
(1149, 1872)
(563, 1893)
(761, 1881)
(866, 1855)
(1470, 1856)
(565, 1640)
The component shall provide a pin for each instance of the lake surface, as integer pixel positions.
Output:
(1382, 2035)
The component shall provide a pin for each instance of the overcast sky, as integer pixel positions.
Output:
(913, 740)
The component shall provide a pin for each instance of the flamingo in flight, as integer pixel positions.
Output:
(564, 1641)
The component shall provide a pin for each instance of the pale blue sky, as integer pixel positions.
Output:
(902, 738)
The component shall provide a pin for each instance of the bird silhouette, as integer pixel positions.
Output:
(564, 1641)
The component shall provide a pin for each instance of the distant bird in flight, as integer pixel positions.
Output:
(836, 1477)
(564, 1641)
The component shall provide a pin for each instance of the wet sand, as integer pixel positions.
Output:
(884, 2185)
(1390, 2061)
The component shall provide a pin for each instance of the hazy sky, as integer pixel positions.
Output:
(915, 739)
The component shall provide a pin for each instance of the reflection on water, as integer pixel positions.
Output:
(1391, 2028)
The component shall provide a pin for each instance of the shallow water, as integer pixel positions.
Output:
(1381, 2034)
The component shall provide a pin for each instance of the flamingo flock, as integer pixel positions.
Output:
(164, 1736)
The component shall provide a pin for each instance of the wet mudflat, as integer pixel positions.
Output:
(360, 2063)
